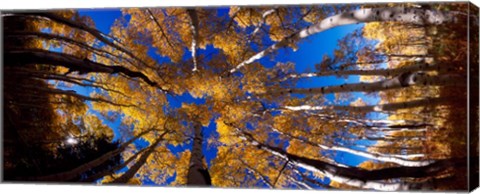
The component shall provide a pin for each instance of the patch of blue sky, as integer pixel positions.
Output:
(309, 174)
(311, 50)
(274, 139)
(177, 149)
(176, 101)
(44, 43)
(103, 18)
(222, 11)
(153, 52)
(349, 159)
(210, 151)
(86, 91)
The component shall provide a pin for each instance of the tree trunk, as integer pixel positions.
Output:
(94, 32)
(143, 159)
(38, 56)
(404, 160)
(257, 28)
(194, 28)
(47, 36)
(73, 93)
(372, 108)
(64, 176)
(198, 174)
(377, 72)
(358, 177)
(401, 81)
(398, 14)
(260, 175)
(160, 27)
(112, 170)
(375, 125)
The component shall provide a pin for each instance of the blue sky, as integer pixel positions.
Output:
(309, 53)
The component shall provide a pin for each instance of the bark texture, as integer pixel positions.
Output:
(400, 81)
(357, 177)
(394, 14)
(198, 174)
(372, 108)
(194, 28)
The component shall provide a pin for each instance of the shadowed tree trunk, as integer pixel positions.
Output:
(143, 159)
(47, 36)
(38, 56)
(94, 32)
(198, 174)
(112, 170)
(64, 176)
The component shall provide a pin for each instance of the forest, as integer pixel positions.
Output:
(328, 96)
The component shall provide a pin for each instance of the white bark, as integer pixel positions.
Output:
(394, 158)
(304, 185)
(371, 108)
(304, 107)
(258, 173)
(355, 183)
(344, 180)
(377, 72)
(264, 17)
(399, 14)
(401, 81)
(194, 28)
(329, 160)
(375, 125)
(404, 160)
(357, 177)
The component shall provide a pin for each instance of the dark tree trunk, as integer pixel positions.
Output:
(143, 159)
(65, 176)
(38, 56)
(198, 174)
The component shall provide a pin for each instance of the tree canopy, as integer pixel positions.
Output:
(212, 97)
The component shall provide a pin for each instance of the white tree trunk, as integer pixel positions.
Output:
(299, 183)
(372, 108)
(398, 14)
(375, 125)
(344, 180)
(264, 17)
(377, 72)
(403, 80)
(403, 160)
(194, 28)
